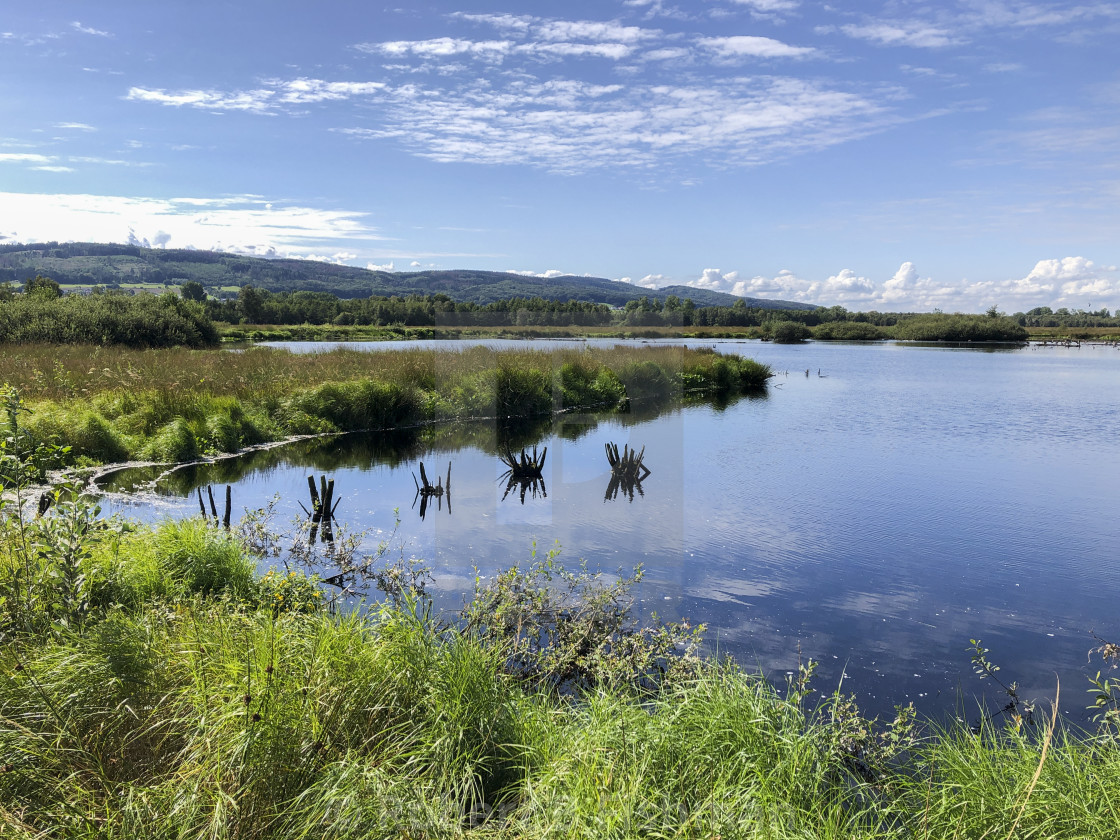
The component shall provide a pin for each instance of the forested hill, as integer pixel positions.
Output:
(89, 264)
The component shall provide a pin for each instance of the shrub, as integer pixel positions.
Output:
(848, 331)
(788, 332)
(939, 327)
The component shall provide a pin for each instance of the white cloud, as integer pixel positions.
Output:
(546, 275)
(438, 48)
(240, 224)
(89, 30)
(338, 258)
(568, 126)
(902, 33)
(752, 46)
(24, 157)
(770, 5)
(375, 267)
(1074, 278)
(273, 97)
(650, 281)
(1073, 281)
(211, 100)
(551, 29)
(75, 126)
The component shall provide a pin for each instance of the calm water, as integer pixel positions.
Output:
(874, 516)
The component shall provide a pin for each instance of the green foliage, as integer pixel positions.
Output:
(87, 434)
(161, 690)
(293, 592)
(848, 331)
(192, 290)
(203, 560)
(349, 406)
(567, 630)
(584, 383)
(177, 405)
(174, 443)
(521, 391)
(646, 381)
(42, 288)
(940, 327)
(788, 332)
(141, 320)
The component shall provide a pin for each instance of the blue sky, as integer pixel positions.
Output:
(882, 155)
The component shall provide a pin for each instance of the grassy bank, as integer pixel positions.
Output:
(153, 685)
(112, 404)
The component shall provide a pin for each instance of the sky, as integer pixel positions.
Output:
(890, 155)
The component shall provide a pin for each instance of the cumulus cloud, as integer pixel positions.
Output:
(1074, 278)
(1074, 282)
(375, 267)
(551, 29)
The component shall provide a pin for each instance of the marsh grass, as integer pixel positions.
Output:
(174, 405)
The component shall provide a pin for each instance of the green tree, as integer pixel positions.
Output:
(251, 303)
(192, 290)
(6, 291)
(42, 287)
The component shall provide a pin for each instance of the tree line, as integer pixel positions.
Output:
(40, 311)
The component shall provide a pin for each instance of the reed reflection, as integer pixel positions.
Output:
(427, 491)
(628, 471)
(525, 472)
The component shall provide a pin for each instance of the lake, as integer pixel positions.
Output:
(876, 509)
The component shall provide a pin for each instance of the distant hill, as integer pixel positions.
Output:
(88, 264)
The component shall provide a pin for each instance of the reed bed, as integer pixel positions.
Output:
(112, 404)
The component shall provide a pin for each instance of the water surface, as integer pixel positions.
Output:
(875, 514)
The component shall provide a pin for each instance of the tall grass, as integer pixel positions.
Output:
(173, 405)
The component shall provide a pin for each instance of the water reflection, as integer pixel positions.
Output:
(526, 472)
(628, 471)
(428, 491)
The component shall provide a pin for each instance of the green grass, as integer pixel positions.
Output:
(180, 695)
(110, 405)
